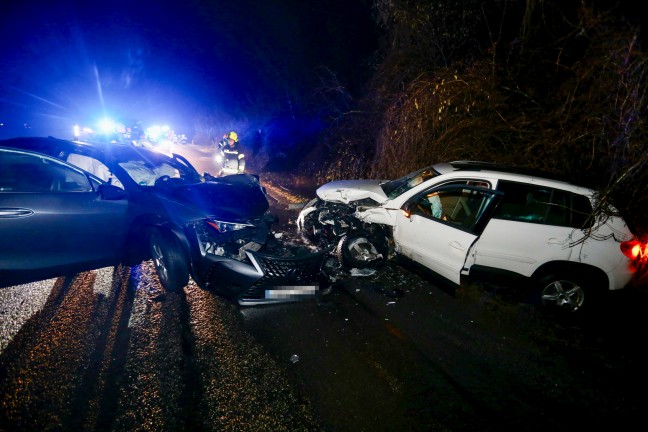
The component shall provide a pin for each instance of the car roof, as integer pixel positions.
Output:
(47, 144)
(498, 172)
(491, 167)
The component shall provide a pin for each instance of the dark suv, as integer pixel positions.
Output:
(218, 230)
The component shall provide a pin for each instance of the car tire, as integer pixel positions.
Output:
(361, 249)
(566, 293)
(170, 262)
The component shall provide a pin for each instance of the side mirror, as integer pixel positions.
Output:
(111, 193)
(407, 209)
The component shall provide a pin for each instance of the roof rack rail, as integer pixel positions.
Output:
(492, 166)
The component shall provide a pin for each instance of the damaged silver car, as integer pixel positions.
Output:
(216, 230)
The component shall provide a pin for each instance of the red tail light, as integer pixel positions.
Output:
(635, 250)
(631, 249)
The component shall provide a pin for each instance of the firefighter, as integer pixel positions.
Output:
(234, 159)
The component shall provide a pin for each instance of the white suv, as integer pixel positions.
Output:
(476, 219)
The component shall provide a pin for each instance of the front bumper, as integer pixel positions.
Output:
(263, 278)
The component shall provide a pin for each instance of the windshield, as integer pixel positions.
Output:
(394, 188)
(147, 171)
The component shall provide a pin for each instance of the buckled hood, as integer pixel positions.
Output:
(346, 191)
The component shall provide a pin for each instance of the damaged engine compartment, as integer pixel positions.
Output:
(322, 222)
(336, 225)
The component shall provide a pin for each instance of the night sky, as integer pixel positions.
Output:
(66, 62)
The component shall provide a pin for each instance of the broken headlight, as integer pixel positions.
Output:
(228, 238)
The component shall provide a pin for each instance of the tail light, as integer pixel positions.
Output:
(637, 252)
(634, 249)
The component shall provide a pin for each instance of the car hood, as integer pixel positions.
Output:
(221, 200)
(352, 190)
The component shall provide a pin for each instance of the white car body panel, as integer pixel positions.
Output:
(379, 215)
(597, 252)
(345, 191)
(437, 246)
(522, 247)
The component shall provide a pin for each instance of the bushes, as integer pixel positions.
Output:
(563, 90)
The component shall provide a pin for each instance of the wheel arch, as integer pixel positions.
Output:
(385, 232)
(143, 227)
(594, 276)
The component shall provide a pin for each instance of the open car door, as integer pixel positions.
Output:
(438, 227)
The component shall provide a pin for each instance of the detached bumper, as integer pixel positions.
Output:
(266, 279)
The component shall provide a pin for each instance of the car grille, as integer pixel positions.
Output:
(285, 278)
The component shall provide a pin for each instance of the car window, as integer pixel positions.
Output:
(542, 205)
(94, 167)
(22, 172)
(460, 207)
(468, 182)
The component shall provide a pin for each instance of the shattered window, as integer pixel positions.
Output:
(145, 173)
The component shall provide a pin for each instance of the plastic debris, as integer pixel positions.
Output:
(362, 272)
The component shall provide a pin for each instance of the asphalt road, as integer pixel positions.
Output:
(385, 351)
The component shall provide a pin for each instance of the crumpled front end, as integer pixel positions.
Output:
(234, 262)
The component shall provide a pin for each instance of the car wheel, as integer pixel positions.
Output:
(565, 293)
(170, 262)
(360, 250)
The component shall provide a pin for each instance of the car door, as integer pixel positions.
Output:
(52, 218)
(532, 225)
(440, 237)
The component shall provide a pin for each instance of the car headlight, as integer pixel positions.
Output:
(223, 227)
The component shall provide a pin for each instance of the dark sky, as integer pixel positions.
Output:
(66, 62)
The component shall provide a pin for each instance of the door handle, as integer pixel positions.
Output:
(555, 241)
(14, 212)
